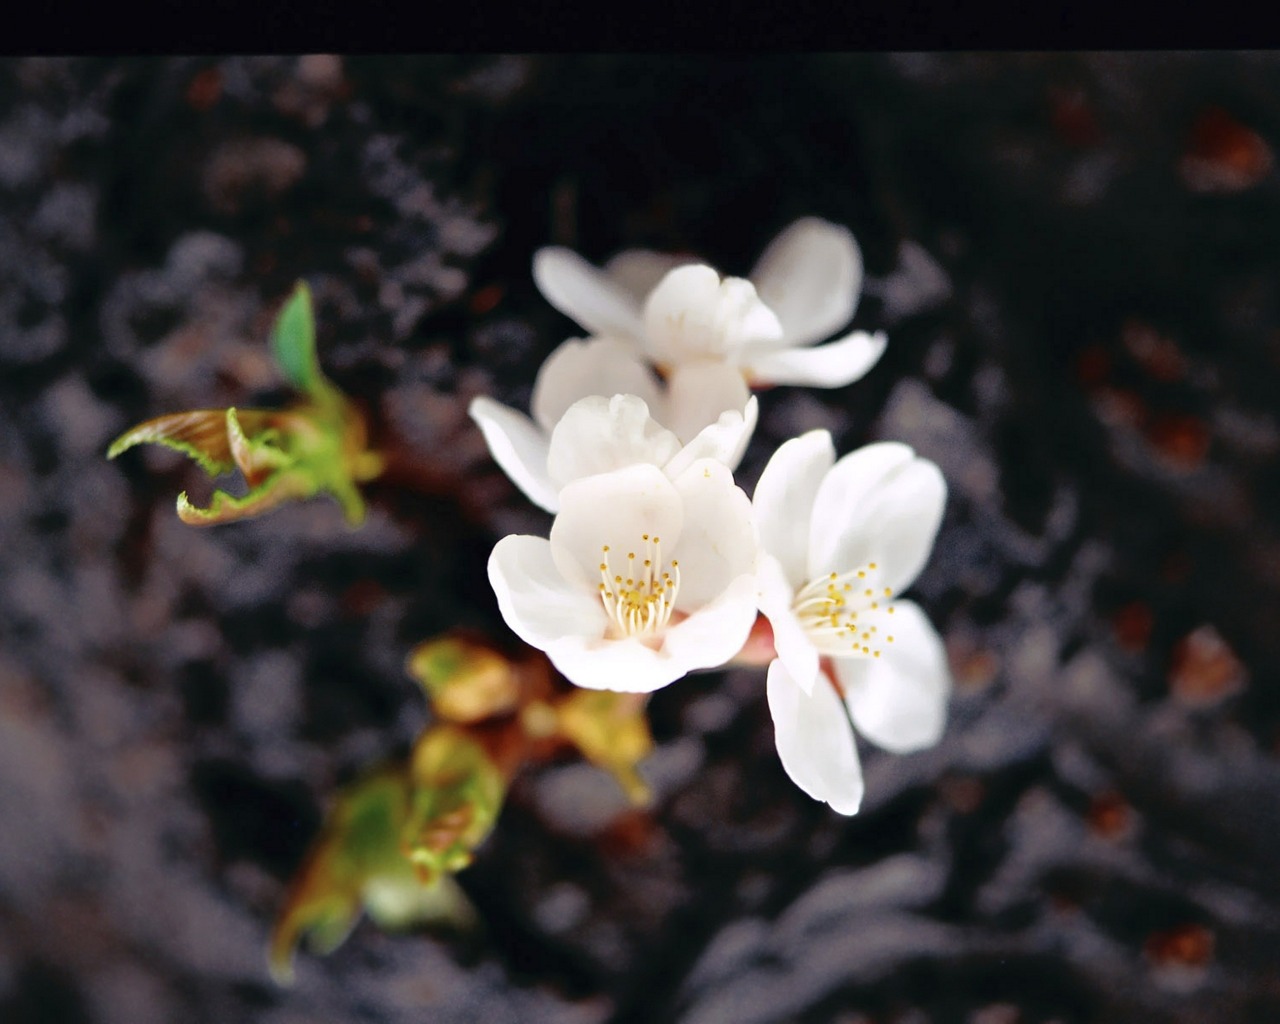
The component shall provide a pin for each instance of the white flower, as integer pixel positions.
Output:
(839, 541)
(645, 577)
(804, 287)
(706, 407)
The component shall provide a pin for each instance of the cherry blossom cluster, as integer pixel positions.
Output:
(658, 564)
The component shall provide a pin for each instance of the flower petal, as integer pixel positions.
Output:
(899, 701)
(810, 276)
(827, 366)
(626, 665)
(519, 447)
(784, 500)
(585, 294)
(693, 315)
(698, 393)
(640, 270)
(536, 601)
(597, 366)
(815, 741)
(598, 434)
(880, 504)
(774, 595)
(615, 509)
(715, 632)
(717, 541)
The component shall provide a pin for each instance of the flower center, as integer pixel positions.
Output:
(640, 599)
(847, 614)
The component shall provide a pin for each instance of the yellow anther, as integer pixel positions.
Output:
(889, 638)
(631, 554)
(604, 566)
(605, 548)
(871, 565)
(861, 575)
(877, 654)
(870, 591)
(891, 609)
(874, 604)
(888, 591)
(644, 536)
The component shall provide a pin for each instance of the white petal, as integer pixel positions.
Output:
(598, 435)
(585, 294)
(784, 500)
(597, 366)
(774, 595)
(810, 276)
(616, 509)
(815, 741)
(841, 528)
(699, 392)
(899, 700)
(625, 665)
(519, 446)
(640, 270)
(718, 540)
(827, 366)
(725, 441)
(536, 601)
(693, 315)
(715, 632)
(894, 523)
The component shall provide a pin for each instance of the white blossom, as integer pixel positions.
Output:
(645, 576)
(705, 407)
(840, 540)
(673, 311)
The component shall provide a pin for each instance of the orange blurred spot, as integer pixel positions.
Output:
(484, 300)
(1110, 815)
(631, 832)
(1182, 440)
(1132, 625)
(205, 89)
(1073, 119)
(1187, 945)
(1204, 669)
(1223, 155)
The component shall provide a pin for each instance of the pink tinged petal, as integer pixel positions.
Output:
(616, 508)
(585, 294)
(810, 276)
(625, 665)
(784, 500)
(536, 601)
(715, 632)
(842, 526)
(519, 446)
(640, 270)
(718, 541)
(899, 700)
(827, 366)
(598, 434)
(597, 366)
(774, 595)
(815, 742)
(694, 315)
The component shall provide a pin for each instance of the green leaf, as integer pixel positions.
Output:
(293, 342)
(227, 508)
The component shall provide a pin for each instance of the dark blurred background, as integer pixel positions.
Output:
(1075, 257)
